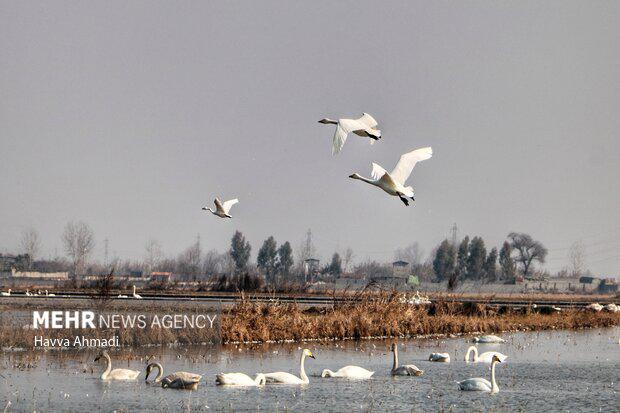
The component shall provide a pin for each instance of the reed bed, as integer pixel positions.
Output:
(359, 316)
(373, 316)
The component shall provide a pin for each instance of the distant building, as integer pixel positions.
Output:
(36, 275)
(311, 269)
(162, 277)
(401, 270)
(608, 286)
(577, 285)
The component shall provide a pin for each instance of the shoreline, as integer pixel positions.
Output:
(369, 317)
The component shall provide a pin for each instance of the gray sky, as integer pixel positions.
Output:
(133, 115)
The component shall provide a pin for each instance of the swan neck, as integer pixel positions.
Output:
(494, 386)
(369, 181)
(160, 372)
(395, 364)
(108, 367)
(469, 351)
(302, 371)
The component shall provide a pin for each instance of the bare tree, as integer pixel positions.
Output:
(30, 243)
(79, 241)
(411, 254)
(577, 259)
(347, 259)
(306, 250)
(152, 256)
(528, 251)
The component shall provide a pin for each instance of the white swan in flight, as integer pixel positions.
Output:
(136, 295)
(405, 370)
(364, 126)
(480, 384)
(349, 372)
(239, 379)
(281, 377)
(486, 357)
(6, 294)
(490, 338)
(439, 357)
(222, 210)
(178, 380)
(394, 182)
(116, 374)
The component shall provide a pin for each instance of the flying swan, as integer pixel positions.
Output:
(486, 357)
(222, 210)
(116, 374)
(480, 384)
(364, 126)
(281, 377)
(394, 183)
(349, 372)
(405, 370)
(178, 380)
(439, 357)
(239, 379)
(489, 339)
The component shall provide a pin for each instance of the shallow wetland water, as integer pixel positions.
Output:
(545, 371)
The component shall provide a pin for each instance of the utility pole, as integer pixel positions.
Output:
(106, 245)
(454, 230)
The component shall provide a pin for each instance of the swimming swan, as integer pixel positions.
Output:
(480, 384)
(364, 126)
(6, 294)
(178, 380)
(136, 295)
(486, 357)
(239, 379)
(405, 370)
(394, 182)
(349, 372)
(281, 377)
(116, 374)
(489, 339)
(439, 357)
(222, 210)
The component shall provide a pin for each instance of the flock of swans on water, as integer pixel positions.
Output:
(190, 381)
(393, 183)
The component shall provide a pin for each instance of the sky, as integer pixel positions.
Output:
(131, 116)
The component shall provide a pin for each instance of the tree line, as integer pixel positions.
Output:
(470, 260)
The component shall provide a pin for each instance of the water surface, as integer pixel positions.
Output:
(547, 371)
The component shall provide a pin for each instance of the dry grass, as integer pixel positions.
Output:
(360, 316)
(385, 316)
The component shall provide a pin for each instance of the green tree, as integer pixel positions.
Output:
(240, 251)
(266, 259)
(528, 251)
(506, 262)
(476, 258)
(461, 259)
(443, 263)
(285, 258)
(335, 267)
(490, 265)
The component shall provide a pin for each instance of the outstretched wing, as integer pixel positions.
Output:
(407, 161)
(377, 171)
(340, 137)
(228, 204)
(218, 204)
(367, 120)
